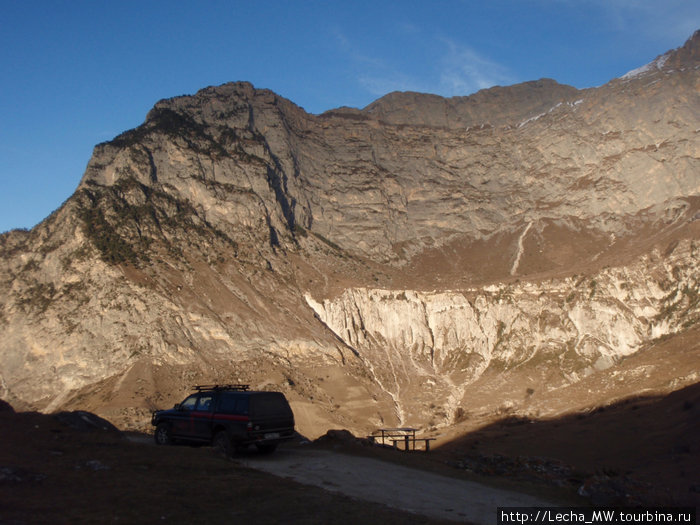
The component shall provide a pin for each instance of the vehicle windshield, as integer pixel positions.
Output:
(189, 403)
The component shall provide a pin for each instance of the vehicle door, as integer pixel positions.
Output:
(232, 412)
(201, 416)
(183, 422)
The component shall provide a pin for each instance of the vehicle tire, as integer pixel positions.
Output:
(222, 444)
(163, 435)
(266, 448)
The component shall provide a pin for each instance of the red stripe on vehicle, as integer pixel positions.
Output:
(230, 417)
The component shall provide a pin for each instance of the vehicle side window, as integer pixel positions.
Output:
(189, 403)
(270, 403)
(242, 405)
(204, 404)
(233, 404)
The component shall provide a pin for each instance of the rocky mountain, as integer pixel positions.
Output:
(411, 262)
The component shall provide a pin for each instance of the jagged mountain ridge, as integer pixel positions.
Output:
(194, 242)
(497, 106)
(374, 194)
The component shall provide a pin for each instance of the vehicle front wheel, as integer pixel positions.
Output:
(222, 443)
(162, 435)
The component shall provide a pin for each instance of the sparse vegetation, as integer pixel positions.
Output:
(300, 230)
(679, 303)
(113, 248)
(460, 415)
(500, 333)
(37, 297)
(78, 254)
(592, 286)
(123, 221)
(505, 294)
(328, 242)
(177, 126)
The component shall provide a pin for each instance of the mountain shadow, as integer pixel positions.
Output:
(641, 450)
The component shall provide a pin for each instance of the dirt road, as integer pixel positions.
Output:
(397, 486)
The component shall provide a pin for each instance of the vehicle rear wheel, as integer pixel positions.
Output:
(266, 448)
(222, 444)
(163, 435)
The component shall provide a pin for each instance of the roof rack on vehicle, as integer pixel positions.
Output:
(199, 388)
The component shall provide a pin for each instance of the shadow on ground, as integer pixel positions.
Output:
(643, 450)
(58, 470)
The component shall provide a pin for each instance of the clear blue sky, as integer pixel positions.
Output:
(74, 73)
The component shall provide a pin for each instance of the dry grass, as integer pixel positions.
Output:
(51, 473)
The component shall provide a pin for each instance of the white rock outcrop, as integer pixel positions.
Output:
(451, 338)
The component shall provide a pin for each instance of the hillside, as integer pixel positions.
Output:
(410, 263)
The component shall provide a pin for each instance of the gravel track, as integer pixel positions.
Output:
(396, 486)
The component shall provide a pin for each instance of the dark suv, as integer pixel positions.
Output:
(230, 417)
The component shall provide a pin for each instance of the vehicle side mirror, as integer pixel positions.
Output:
(177, 406)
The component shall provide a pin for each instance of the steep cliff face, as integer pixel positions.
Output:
(396, 178)
(234, 235)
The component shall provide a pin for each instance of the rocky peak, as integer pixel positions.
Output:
(682, 58)
(222, 97)
(686, 56)
(496, 106)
